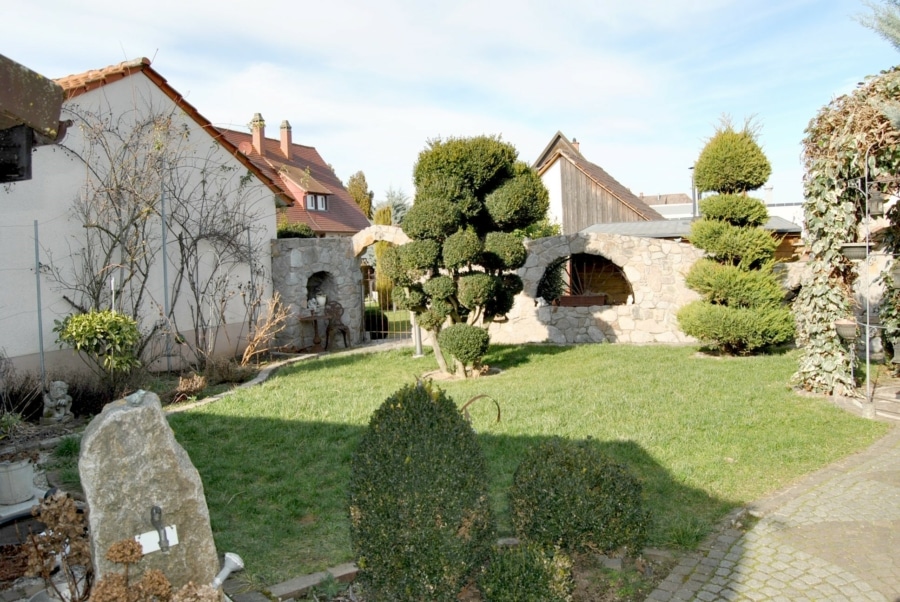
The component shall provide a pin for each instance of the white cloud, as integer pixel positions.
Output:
(640, 84)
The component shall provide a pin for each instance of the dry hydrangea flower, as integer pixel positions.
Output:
(125, 551)
(155, 586)
(112, 588)
(197, 593)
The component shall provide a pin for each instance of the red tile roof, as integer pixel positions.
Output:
(305, 171)
(77, 84)
(560, 146)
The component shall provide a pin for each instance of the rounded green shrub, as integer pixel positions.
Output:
(749, 248)
(736, 209)
(465, 342)
(440, 287)
(729, 285)
(108, 337)
(476, 289)
(475, 162)
(420, 256)
(571, 494)
(420, 521)
(737, 330)
(462, 249)
(526, 573)
(730, 162)
(294, 230)
(431, 218)
(376, 322)
(503, 251)
(518, 202)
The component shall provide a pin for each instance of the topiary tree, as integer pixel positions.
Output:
(742, 307)
(472, 196)
(420, 520)
(732, 160)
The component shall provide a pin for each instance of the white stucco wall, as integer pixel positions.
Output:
(58, 176)
(552, 179)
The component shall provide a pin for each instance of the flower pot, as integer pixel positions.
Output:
(846, 329)
(16, 482)
(320, 300)
(855, 251)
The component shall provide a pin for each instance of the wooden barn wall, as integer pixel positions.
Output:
(585, 203)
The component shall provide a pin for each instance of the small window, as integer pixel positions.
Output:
(321, 202)
(311, 202)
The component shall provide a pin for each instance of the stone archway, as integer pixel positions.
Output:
(373, 234)
(654, 268)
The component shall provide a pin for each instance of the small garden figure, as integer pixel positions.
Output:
(57, 403)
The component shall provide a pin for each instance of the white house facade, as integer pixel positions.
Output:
(134, 145)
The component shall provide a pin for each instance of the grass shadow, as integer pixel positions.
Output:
(277, 489)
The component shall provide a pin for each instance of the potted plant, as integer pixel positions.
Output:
(16, 464)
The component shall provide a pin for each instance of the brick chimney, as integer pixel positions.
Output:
(286, 141)
(258, 129)
(576, 144)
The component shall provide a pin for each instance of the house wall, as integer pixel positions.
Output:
(586, 203)
(655, 269)
(59, 175)
(552, 179)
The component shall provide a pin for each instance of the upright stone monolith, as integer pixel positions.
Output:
(130, 463)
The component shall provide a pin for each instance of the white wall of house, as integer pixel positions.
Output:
(552, 179)
(59, 175)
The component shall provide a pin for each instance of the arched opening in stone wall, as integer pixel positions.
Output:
(582, 280)
(318, 285)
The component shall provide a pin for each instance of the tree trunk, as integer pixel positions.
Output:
(461, 369)
(438, 355)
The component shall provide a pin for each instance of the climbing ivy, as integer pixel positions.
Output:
(853, 142)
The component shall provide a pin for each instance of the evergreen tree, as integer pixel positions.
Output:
(359, 190)
(472, 194)
(383, 284)
(884, 20)
(742, 307)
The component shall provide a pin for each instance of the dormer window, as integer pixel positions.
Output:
(316, 202)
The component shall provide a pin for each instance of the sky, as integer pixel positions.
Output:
(640, 84)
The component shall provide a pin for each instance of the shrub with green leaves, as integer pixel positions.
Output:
(465, 342)
(107, 337)
(736, 330)
(742, 309)
(731, 161)
(571, 494)
(420, 520)
(294, 230)
(526, 573)
(473, 200)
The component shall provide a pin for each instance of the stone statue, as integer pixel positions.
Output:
(57, 403)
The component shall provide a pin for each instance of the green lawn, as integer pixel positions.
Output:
(704, 434)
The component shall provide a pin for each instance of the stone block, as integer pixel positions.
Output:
(131, 462)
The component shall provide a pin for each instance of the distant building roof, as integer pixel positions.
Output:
(676, 198)
(298, 171)
(560, 146)
(677, 228)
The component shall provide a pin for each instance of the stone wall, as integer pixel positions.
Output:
(655, 268)
(327, 264)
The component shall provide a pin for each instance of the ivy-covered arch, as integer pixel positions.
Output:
(851, 148)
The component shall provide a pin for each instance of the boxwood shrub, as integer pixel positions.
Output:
(526, 573)
(419, 511)
(573, 495)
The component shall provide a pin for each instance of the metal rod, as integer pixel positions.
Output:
(40, 318)
(165, 268)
